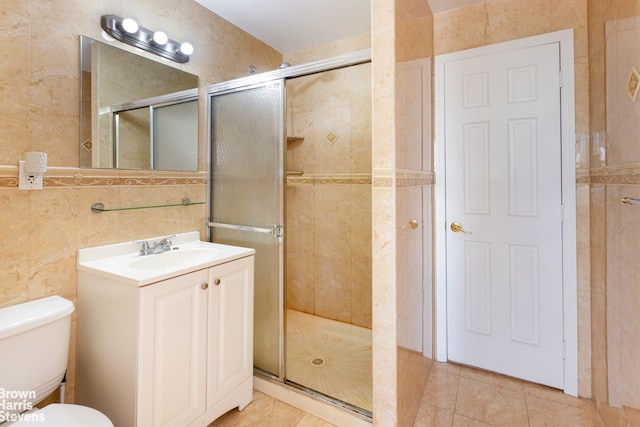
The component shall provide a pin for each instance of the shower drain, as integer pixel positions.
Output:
(317, 361)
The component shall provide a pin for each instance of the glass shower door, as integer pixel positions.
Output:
(175, 136)
(247, 199)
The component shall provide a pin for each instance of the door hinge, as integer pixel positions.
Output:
(561, 78)
(564, 350)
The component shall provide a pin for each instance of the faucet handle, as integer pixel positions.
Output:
(166, 241)
(145, 247)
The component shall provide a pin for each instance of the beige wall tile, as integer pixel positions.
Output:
(39, 112)
(329, 206)
(14, 265)
(409, 265)
(501, 20)
(412, 159)
(622, 114)
(612, 224)
(584, 290)
(623, 297)
(383, 211)
(329, 50)
(598, 294)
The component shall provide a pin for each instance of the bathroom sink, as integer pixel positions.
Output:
(123, 263)
(174, 258)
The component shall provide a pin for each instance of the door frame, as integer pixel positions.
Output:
(569, 261)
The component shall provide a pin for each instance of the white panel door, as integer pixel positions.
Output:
(503, 188)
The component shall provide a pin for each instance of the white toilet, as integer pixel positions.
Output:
(34, 347)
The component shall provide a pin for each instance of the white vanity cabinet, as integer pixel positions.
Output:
(174, 352)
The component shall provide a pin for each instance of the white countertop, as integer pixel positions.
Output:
(123, 262)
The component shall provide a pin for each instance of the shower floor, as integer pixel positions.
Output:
(330, 357)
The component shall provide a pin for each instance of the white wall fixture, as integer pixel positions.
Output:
(128, 31)
(30, 171)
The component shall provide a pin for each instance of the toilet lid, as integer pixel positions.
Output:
(64, 415)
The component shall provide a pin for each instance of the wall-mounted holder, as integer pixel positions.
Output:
(30, 171)
(630, 201)
(99, 207)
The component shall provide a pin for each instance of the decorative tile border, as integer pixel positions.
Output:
(80, 181)
(582, 176)
(414, 179)
(383, 182)
(330, 179)
(8, 181)
(403, 178)
(71, 177)
(616, 175)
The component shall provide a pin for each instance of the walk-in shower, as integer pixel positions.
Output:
(291, 177)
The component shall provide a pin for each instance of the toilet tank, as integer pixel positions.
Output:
(34, 349)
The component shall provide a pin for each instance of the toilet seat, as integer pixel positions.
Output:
(65, 415)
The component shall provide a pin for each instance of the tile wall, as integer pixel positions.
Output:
(414, 187)
(44, 229)
(39, 111)
(385, 360)
(329, 195)
(614, 31)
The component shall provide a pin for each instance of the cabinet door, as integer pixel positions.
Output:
(230, 327)
(172, 359)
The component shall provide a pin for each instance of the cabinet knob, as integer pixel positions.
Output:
(205, 285)
(217, 281)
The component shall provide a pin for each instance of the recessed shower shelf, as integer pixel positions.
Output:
(294, 139)
(100, 207)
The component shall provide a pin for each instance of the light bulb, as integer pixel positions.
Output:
(106, 36)
(129, 25)
(160, 38)
(186, 48)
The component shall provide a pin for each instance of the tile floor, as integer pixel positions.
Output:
(458, 396)
(455, 396)
(266, 411)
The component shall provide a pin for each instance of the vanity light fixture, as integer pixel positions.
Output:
(157, 42)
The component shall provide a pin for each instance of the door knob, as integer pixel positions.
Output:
(456, 227)
(413, 224)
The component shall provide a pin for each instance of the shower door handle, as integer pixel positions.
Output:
(276, 230)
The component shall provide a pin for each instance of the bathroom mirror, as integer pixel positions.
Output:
(135, 113)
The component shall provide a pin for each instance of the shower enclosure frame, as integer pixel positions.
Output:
(278, 76)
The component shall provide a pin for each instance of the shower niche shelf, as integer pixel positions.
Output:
(294, 139)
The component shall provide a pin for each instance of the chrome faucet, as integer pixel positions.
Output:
(163, 245)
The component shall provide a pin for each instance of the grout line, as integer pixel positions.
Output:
(455, 405)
